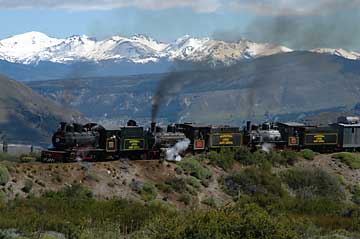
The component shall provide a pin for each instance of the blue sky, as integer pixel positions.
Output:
(294, 23)
(164, 24)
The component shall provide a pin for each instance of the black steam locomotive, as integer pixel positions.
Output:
(93, 142)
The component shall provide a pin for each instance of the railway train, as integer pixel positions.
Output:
(92, 142)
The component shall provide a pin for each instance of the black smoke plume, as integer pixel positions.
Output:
(184, 76)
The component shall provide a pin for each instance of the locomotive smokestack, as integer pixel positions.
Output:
(153, 127)
(248, 125)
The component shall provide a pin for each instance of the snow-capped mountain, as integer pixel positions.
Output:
(352, 55)
(34, 47)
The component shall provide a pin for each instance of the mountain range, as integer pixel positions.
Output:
(34, 56)
(287, 86)
(35, 47)
(208, 81)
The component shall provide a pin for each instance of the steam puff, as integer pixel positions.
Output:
(173, 154)
(266, 147)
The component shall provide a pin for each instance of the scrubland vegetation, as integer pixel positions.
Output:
(272, 197)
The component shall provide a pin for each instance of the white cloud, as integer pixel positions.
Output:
(261, 7)
(292, 7)
(197, 5)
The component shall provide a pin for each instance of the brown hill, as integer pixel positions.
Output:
(26, 116)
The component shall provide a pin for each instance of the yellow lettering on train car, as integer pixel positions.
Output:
(319, 138)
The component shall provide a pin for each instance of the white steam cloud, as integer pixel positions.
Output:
(173, 154)
(266, 147)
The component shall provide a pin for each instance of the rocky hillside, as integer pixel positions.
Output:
(199, 179)
(295, 194)
(27, 117)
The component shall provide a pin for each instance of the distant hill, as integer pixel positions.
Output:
(289, 86)
(27, 117)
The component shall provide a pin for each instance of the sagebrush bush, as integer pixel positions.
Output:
(178, 185)
(224, 159)
(4, 175)
(350, 159)
(307, 154)
(246, 157)
(251, 181)
(194, 168)
(210, 201)
(314, 182)
(8, 157)
(74, 212)
(27, 186)
(248, 222)
(356, 194)
(148, 191)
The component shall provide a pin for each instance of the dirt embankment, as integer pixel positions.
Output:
(112, 179)
(126, 179)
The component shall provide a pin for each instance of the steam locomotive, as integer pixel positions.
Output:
(92, 142)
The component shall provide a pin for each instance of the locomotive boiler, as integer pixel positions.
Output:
(75, 136)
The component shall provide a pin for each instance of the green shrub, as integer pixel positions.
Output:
(27, 158)
(185, 198)
(253, 181)
(225, 159)
(92, 177)
(244, 156)
(249, 222)
(27, 186)
(71, 192)
(310, 183)
(73, 213)
(356, 195)
(276, 158)
(4, 175)
(210, 201)
(350, 159)
(290, 156)
(194, 168)
(164, 187)
(193, 182)
(178, 185)
(148, 192)
(307, 154)
(2, 197)
(8, 157)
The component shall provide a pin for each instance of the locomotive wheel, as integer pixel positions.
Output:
(48, 160)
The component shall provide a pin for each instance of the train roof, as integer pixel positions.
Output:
(292, 124)
(348, 125)
(195, 125)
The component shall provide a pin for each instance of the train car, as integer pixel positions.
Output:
(290, 133)
(349, 133)
(196, 133)
(224, 137)
(300, 136)
(208, 137)
(321, 139)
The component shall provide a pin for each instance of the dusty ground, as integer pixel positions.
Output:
(106, 179)
(115, 179)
